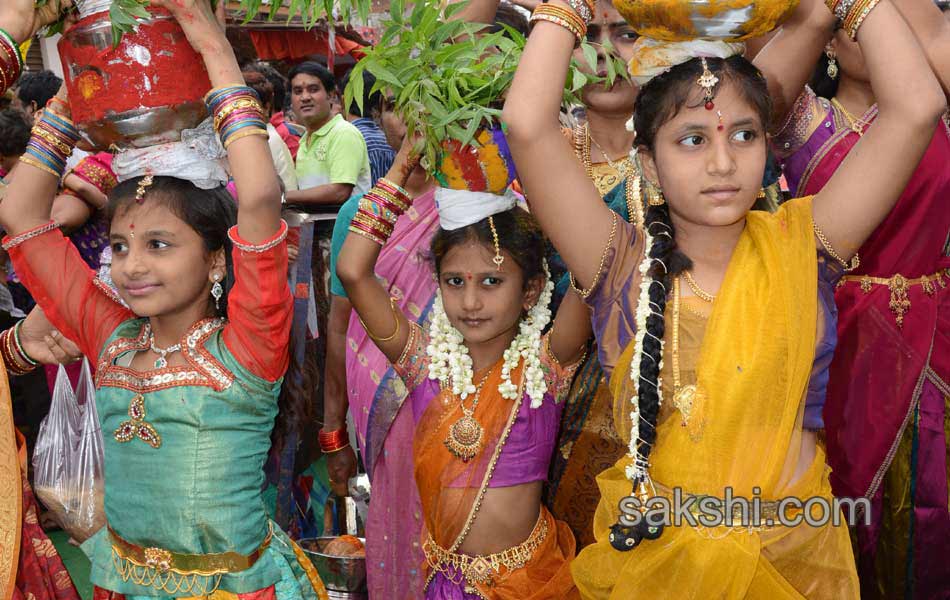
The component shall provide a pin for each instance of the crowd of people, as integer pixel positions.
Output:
(724, 274)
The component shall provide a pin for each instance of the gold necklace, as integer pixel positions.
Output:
(465, 435)
(621, 170)
(634, 197)
(700, 292)
(684, 396)
(852, 122)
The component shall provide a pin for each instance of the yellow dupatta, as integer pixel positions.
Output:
(753, 370)
(11, 492)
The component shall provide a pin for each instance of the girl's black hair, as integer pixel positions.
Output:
(212, 213)
(659, 101)
(14, 133)
(518, 235)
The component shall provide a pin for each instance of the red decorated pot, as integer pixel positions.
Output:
(143, 92)
(486, 166)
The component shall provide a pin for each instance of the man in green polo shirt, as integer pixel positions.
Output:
(332, 163)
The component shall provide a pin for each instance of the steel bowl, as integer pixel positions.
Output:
(339, 573)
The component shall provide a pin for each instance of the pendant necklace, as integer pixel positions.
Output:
(162, 361)
(465, 435)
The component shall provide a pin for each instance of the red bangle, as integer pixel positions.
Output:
(331, 441)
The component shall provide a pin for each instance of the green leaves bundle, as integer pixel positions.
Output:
(448, 77)
(124, 14)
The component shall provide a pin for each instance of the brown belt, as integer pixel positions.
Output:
(162, 560)
(898, 284)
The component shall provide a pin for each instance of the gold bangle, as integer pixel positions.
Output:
(603, 260)
(848, 266)
(29, 160)
(397, 188)
(343, 447)
(367, 235)
(855, 22)
(392, 304)
(376, 223)
(243, 134)
(564, 17)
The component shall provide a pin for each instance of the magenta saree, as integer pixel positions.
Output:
(886, 416)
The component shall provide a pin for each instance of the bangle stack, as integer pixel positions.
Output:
(17, 361)
(856, 16)
(851, 14)
(237, 113)
(333, 441)
(51, 143)
(574, 19)
(11, 61)
(379, 210)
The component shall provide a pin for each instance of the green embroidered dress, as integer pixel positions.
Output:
(184, 445)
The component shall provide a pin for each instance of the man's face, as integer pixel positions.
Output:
(310, 100)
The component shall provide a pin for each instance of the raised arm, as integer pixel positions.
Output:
(249, 157)
(571, 330)
(385, 323)
(910, 102)
(789, 58)
(561, 196)
(933, 33)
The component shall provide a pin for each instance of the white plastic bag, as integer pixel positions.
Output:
(68, 460)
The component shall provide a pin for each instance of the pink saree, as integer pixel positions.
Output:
(886, 416)
(383, 429)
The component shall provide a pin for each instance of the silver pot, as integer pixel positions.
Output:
(344, 577)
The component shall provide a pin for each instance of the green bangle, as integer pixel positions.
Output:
(19, 346)
(12, 42)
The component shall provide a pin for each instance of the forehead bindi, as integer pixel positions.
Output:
(149, 217)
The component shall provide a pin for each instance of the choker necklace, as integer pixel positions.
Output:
(162, 361)
(465, 435)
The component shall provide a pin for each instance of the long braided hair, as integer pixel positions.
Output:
(658, 102)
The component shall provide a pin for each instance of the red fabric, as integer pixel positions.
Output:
(286, 133)
(40, 574)
(260, 307)
(876, 363)
(259, 304)
(50, 267)
(291, 45)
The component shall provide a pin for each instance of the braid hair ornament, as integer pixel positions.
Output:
(650, 308)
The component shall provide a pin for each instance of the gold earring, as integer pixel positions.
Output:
(655, 195)
(832, 63)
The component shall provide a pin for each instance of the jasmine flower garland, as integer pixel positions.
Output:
(450, 363)
(645, 307)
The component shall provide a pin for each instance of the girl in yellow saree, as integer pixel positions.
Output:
(714, 324)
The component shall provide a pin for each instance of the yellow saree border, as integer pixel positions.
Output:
(11, 492)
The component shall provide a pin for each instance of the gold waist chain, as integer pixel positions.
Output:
(177, 573)
(483, 569)
(898, 285)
